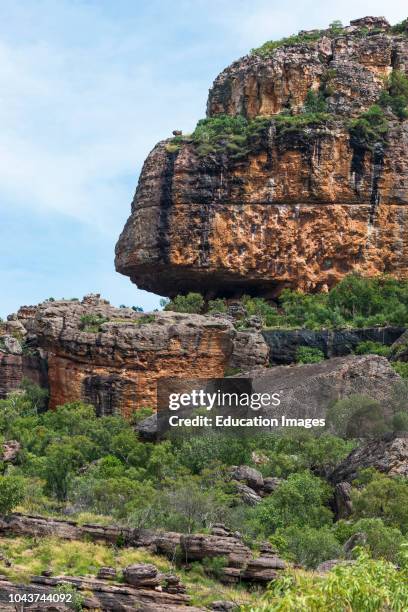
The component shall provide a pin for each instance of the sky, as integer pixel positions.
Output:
(87, 88)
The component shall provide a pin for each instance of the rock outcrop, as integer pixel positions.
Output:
(112, 357)
(306, 391)
(399, 349)
(100, 595)
(259, 570)
(18, 359)
(241, 564)
(284, 343)
(388, 455)
(299, 205)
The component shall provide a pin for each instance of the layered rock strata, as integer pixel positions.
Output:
(298, 206)
(112, 357)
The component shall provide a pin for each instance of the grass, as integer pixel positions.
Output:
(31, 556)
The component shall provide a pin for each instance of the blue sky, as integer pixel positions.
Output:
(87, 88)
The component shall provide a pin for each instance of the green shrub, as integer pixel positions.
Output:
(309, 354)
(233, 134)
(355, 416)
(370, 128)
(299, 450)
(384, 542)
(214, 566)
(190, 303)
(197, 452)
(261, 308)
(286, 123)
(300, 500)
(77, 599)
(366, 586)
(336, 27)
(371, 301)
(217, 306)
(400, 421)
(267, 48)
(315, 102)
(401, 27)
(308, 545)
(91, 323)
(368, 347)
(396, 96)
(12, 492)
(383, 497)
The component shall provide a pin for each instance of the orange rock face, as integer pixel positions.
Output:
(115, 364)
(304, 207)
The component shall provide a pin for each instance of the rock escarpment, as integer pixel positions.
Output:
(294, 203)
(112, 357)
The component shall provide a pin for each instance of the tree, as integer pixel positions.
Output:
(191, 303)
(385, 498)
(12, 492)
(62, 461)
(355, 416)
(308, 545)
(300, 500)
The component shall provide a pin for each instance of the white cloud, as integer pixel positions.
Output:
(74, 126)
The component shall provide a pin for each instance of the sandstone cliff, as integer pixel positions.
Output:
(109, 357)
(295, 199)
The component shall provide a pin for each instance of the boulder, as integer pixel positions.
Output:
(195, 547)
(107, 573)
(379, 23)
(11, 450)
(249, 349)
(357, 539)
(260, 570)
(141, 575)
(112, 357)
(272, 214)
(223, 606)
(271, 484)
(306, 391)
(388, 454)
(399, 349)
(100, 595)
(248, 495)
(250, 476)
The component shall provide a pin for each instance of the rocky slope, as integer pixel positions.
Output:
(296, 204)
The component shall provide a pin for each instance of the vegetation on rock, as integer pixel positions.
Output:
(265, 50)
(370, 128)
(396, 95)
(356, 301)
(306, 354)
